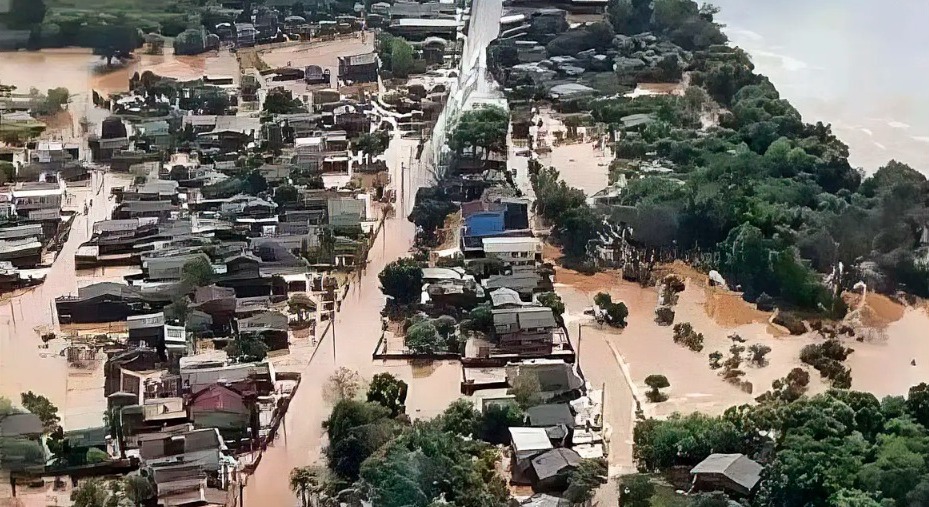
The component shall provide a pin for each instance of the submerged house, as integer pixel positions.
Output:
(527, 330)
(109, 302)
(358, 68)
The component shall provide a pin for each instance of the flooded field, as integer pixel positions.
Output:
(893, 336)
(82, 73)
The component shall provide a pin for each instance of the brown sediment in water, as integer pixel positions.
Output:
(875, 311)
(728, 308)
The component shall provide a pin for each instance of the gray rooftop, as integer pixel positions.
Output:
(555, 462)
(736, 467)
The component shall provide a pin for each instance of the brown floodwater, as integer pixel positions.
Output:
(82, 73)
(24, 364)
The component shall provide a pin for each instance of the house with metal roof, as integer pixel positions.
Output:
(735, 473)
(525, 330)
(358, 68)
(550, 470)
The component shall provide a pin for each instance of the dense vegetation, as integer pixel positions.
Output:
(776, 199)
(839, 448)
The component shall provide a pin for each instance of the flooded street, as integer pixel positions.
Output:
(357, 330)
(24, 365)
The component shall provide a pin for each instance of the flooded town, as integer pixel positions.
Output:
(472, 253)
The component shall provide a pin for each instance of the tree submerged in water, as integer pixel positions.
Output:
(116, 41)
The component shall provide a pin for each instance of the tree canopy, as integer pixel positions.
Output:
(402, 280)
(836, 448)
(482, 128)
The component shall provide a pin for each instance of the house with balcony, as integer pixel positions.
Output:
(516, 252)
(527, 330)
(38, 201)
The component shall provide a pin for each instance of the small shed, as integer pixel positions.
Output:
(730, 472)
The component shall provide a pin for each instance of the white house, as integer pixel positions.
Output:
(513, 251)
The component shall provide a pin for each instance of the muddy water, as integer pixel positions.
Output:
(24, 364)
(357, 329)
(881, 364)
(81, 73)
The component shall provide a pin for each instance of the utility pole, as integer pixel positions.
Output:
(577, 353)
(332, 324)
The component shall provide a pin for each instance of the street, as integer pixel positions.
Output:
(24, 366)
(357, 330)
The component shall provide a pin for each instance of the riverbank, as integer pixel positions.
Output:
(871, 99)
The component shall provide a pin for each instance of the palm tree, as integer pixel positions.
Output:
(307, 480)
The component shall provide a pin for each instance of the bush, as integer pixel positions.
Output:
(424, 338)
(758, 353)
(684, 334)
(664, 315)
(656, 382)
(827, 358)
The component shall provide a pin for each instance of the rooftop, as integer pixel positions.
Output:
(530, 439)
(736, 467)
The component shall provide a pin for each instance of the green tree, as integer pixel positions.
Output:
(424, 338)
(371, 144)
(657, 382)
(495, 423)
(553, 301)
(281, 101)
(191, 41)
(42, 408)
(635, 490)
(460, 418)
(577, 228)
(584, 480)
(401, 57)
(758, 352)
(616, 313)
(917, 403)
(115, 41)
(197, 272)
(484, 128)
(247, 348)
(479, 319)
(286, 194)
(388, 391)
(90, 493)
(25, 13)
(138, 489)
(356, 431)
(402, 280)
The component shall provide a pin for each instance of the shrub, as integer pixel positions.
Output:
(758, 353)
(684, 334)
(656, 382)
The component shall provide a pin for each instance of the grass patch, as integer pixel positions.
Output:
(665, 496)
